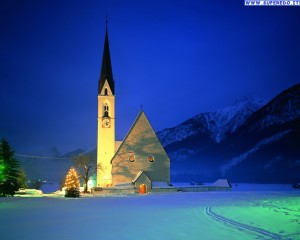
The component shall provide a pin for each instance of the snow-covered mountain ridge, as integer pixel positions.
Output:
(216, 125)
(284, 108)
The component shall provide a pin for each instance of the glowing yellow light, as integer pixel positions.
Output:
(72, 180)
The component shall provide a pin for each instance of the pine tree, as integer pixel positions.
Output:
(2, 167)
(9, 172)
(72, 184)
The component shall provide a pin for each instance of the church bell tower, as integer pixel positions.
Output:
(106, 119)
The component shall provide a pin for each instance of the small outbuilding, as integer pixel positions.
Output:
(142, 182)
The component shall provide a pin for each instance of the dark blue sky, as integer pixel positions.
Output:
(176, 58)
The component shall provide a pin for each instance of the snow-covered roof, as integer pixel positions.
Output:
(138, 175)
(160, 185)
(125, 185)
(222, 183)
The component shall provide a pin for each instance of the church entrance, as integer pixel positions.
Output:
(143, 188)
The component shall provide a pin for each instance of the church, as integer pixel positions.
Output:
(137, 162)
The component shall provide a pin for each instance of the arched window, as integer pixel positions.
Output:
(106, 110)
(105, 92)
(150, 158)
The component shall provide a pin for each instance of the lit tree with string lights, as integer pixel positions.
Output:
(72, 183)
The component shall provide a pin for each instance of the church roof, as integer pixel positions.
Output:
(140, 130)
(106, 69)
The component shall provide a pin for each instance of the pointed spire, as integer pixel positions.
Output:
(106, 69)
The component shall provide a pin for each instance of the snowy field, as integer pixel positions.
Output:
(231, 215)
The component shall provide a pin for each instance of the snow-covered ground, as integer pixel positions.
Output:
(202, 215)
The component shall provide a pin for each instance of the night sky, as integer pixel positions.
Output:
(176, 58)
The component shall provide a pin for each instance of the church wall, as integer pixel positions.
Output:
(141, 143)
(125, 171)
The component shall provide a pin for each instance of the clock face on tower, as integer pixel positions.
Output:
(106, 123)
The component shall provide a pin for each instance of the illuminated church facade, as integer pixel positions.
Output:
(139, 160)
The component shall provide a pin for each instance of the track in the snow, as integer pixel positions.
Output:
(239, 225)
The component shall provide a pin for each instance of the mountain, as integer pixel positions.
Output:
(269, 141)
(50, 166)
(206, 129)
(248, 142)
(215, 125)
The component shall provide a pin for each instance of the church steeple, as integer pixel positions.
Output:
(106, 119)
(106, 69)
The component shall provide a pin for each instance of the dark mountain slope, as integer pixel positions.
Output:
(264, 145)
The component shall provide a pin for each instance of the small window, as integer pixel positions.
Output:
(106, 110)
(131, 158)
(105, 92)
(150, 158)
